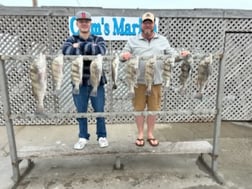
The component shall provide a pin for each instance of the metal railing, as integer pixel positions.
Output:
(9, 117)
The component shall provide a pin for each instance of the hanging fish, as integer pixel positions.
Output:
(38, 77)
(76, 73)
(167, 70)
(185, 74)
(204, 72)
(149, 74)
(57, 72)
(95, 74)
(115, 66)
(132, 74)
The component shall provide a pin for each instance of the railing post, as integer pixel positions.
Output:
(8, 121)
(217, 123)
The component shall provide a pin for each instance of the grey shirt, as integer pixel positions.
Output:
(138, 46)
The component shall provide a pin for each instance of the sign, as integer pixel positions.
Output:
(112, 28)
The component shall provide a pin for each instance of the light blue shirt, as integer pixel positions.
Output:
(139, 46)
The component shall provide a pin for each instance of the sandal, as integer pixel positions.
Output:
(139, 142)
(153, 141)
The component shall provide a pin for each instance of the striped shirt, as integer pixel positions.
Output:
(93, 45)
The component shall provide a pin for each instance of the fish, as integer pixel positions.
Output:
(57, 72)
(167, 70)
(38, 76)
(149, 74)
(76, 74)
(95, 73)
(132, 74)
(204, 72)
(185, 73)
(115, 66)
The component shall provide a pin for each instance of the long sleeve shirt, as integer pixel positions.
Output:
(93, 45)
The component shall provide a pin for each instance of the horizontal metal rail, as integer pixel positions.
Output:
(112, 114)
(89, 57)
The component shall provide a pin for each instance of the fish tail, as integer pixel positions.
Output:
(167, 83)
(93, 92)
(56, 92)
(131, 94)
(148, 91)
(76, 89)
(135, 85)
(182, 91)
(198, 96)
(40, 108)
(114, 86)
(57, 86)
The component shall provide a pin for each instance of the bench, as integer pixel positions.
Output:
(115, 148)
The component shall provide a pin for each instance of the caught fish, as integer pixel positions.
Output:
(204, 71)
(149, 74)
(132, 74)
(57, 72)
(115, 66)
(38, 77)
(76, 73)
(185, 74)
(167, 70)
(95, 74)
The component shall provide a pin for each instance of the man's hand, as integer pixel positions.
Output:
(126, 56)
(184, 53)
(76, 45)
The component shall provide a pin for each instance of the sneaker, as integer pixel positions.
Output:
(103, 142)
(80, 144)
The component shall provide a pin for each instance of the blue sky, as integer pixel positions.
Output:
(148, 4)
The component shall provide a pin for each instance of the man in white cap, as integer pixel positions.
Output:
(87, 44)
(147, 43)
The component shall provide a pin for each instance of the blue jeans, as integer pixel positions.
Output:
(98, 103)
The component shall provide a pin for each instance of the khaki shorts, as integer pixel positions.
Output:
(141, 99)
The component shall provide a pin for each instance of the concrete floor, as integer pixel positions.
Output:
(140, 171)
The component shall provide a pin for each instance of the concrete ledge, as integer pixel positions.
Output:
(186, 147)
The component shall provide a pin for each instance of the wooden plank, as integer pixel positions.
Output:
(185, 147)
(188, 147)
